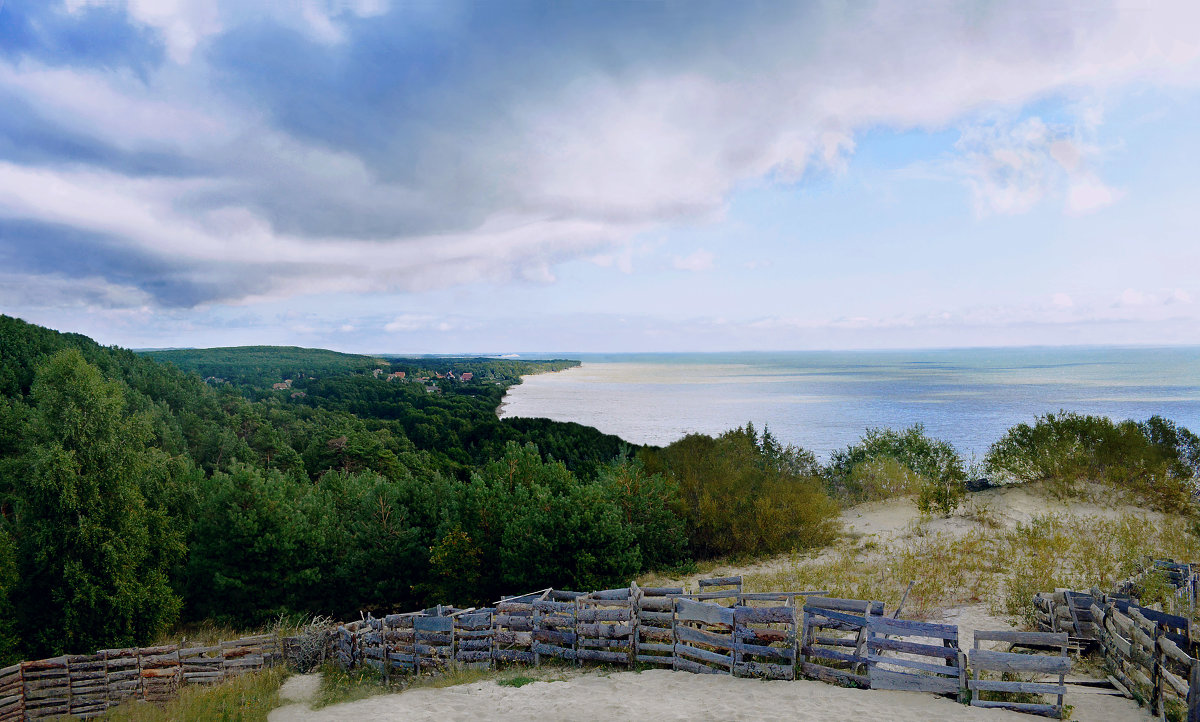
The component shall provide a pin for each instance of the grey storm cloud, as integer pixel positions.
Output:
(237, 150)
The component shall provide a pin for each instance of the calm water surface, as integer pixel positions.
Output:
(824, 400)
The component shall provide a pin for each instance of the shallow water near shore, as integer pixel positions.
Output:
(825, 400)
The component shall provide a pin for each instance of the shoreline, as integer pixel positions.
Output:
(504, 399)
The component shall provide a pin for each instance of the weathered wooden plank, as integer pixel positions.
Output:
(857, 606)
(661, 591)
(597, 655)
(900, 645)
(849, 621)
(721, 581)
(547, 636)
(686, 650)
(764, 615)
(1011, 662)
(912, 628)
(609, 643)
(763, 669)
(761, 636)
(655, 604)
(659, 617)
(694, 667)
(654, 647)
(554, 650)
(1045, 639)
(605, 615)
(433, 624)
(555, 607)
(697, 636)
(655, 659)
(821, 653)
(513, 655)
(995, 685)
(1045, 710)
(788, 653)
(836, 676)
(914, 664)
(886, 679)
(609, 594)
(687, 610)
(605, 631)
(654, 633)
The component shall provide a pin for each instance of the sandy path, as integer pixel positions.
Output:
(298, 690)
(666, 695)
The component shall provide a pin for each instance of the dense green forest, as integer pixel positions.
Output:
(139, 491)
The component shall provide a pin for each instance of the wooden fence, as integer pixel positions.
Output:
(86, 685)
(769, 635)
(1150, 655)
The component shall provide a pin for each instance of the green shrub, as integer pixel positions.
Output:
(887, 463)
(1153, 462)
(743, 493)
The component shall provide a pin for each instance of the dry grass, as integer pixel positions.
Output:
(247, 698)
(1000, 567)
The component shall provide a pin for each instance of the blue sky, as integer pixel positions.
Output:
(379, 176)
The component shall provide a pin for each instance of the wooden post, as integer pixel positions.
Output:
(1156, 703)
(537, 627)
(674, 633)
(634, 607)
(1062, 678)
(963, 693)
(1193, 698)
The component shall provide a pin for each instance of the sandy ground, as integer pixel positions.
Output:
(666, 695)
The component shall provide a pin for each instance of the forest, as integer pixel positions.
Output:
(139, 492)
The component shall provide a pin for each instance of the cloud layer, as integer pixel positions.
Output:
(182, 154)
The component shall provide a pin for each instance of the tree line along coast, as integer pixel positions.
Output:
(135, 495)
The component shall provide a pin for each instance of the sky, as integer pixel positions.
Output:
(387, 176)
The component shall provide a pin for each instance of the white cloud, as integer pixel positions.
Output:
(700, 260)
(1087, 193)
(1062, 300)
(408, 322)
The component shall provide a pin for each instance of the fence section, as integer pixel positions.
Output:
(984, 660)
(915, 656)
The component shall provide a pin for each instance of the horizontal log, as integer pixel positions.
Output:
(564, 595)
(702, 596)
(510, 608)
(836, 676)
(695, 667)
(912, 628)
(244, 662)
(763, 670)
(820, 639)
(474, 656)
(721, 581)
(518, 624)
(608, 594)
(697, 636)
(913, 664)
(605, 615)
(656, 659)
(761, 636)
(550, 637)
(1177, 684)
(39, 665)
(475, 644)
(822, 653)
(612, 643)
(654, 633)
(513, 655)
(686, 650)
(656, 617)
(605, 631)
(857, 606)
(433, 624)
(474, 634)
(887, 679)
(764, 615)
(658, 604)
(597, 655)
(552, 650)
(845, 620)
(1010, 662)
(509, 638)
(661, 591)
(1173, 651)
(555, 607)
(1045, 710)
(161, 649)
(759, 650)
(781, 596)
(878, 644)
(652, 647)
(11, 669)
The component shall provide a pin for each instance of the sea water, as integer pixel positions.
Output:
(825, 400)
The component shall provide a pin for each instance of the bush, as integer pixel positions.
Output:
(888, 463)
(746, 494)
(1154, 462)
